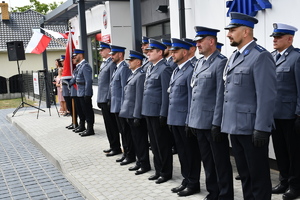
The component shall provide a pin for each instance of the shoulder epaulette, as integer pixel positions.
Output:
(274, 52)
(166, 63)
(297, 49)
(260, 48)
(221, 56)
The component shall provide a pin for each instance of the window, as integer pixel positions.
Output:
(157, 31)
(96, 58)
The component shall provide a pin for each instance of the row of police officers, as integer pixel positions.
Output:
(168, 96)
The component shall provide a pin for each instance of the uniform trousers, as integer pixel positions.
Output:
(140, 141)
(189, 157)
(78, 109)
(87, 108)
(286, 146)
(111, 127)
(160, 141)
(127, 143)
(221, 156)
(204, 139)
(253, 167)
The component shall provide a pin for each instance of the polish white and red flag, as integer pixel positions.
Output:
(54, 34)
(38, 43)
(68, 65)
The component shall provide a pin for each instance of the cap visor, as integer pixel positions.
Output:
(231, 26)
(198, 38)
(130, 58)
(174, 48)
(149, 48)
(277, 34)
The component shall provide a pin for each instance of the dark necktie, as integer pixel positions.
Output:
(278, 56)
(236, 55)
(203, 62)
(175, 71)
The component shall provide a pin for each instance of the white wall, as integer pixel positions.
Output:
(118, 27)
(212, 14)
(118, 23)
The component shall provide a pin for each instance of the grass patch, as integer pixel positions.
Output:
(14, 103)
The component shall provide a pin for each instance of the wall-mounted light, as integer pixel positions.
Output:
(162, 8)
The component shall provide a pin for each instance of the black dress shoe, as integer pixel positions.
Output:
(188, 192)
(153, 177)
(279, 189)
(80, 129)
(121, 159)
(162, 179)
(291, 194)
(178, 189)
(107, 150)
(142, 171)
(113, 153)
(127, 161)
(71, 125)
(134, 168)
(84, 134)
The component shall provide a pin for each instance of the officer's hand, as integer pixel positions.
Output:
(188, 131)
(297, 125)
(260, 138)
(136, 122)
(162, 121)
(216, 134)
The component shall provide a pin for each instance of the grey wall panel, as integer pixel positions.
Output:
(149, 13)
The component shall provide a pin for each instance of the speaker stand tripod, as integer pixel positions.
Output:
(52, 96)
(22, 105)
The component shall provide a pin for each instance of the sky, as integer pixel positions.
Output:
(20, 3)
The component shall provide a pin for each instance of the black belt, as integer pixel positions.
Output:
(80, 83)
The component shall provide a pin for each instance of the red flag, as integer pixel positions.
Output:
(68, 65)
(38, 43)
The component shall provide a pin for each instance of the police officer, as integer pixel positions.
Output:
(85, 91)
(167, 53)
(192, 51)
(180, 93)
(77, 111)
(105, 73)
(131, 109)
(287, 111)
(145, 44)
(117, 84)
(249, 103)
(219, 46)
(155, 109)
(206, 113)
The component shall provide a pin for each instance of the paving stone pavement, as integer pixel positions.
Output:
(96, 176)
(25, 172)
